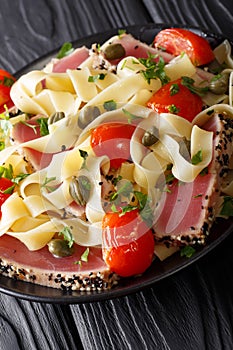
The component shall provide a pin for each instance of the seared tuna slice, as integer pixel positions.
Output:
(41, 267)
(190, 208)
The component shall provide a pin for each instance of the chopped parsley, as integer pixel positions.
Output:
(173, 109)
(8, 82)
(189, 83)
(19, 178)
(169, 178)
(9, 190)
(154, 69)
(142, 203)
(84, 155)
(94, 78)
(227, 206)
(174, 89)
(211, 111)
(43, 123)
(65, 50)
(197, 158)
(110, 105)
(5, 126)
(7, 172)
(187, 251)
(204, 171)
(84, 257)
(121, 32)
(48, 180)
(124, 190)
(131, 116)
(198, 195)
(67, 235)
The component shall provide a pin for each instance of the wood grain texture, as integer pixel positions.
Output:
(192, 309)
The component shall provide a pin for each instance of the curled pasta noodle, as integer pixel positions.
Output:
(41, 205)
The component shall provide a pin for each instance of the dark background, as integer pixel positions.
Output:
(192, 309)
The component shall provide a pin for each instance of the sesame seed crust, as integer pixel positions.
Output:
(93, 281)
(219, 168)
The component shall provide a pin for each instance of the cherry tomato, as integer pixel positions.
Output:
(177, 99)
(4, 185)
(113, 140)
(177, 40)
(6, 81)
(128, 244)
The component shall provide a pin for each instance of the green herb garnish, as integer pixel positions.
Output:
(84, 155)
(174, 89)
(121, 32)
(7, 81)
(67, 235)
(110, 105)
(189, 83)
(48, 180)
(173, 109)
(227, 206)
(43, 123)
(187, 251)
(197, 158)
(94, 78)
(6, 172)
(131, 116)
(154, 69)
(65, 50)
(84, 257)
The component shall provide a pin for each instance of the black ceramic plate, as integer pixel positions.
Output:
(158, 270)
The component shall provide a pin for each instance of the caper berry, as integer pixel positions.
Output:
(55, 117)
(114, 51)
(219, 86)
(80, 189)
(150, 137)
(59, 248)
(87, 115)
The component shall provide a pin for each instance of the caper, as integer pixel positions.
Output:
(220, 85)
(114, 51)
(80, 189)
(55, 117)
(87, 115)
(59, 248)
(151, 136)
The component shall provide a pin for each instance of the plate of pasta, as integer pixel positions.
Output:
(115, 163)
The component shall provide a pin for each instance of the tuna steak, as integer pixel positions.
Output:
(190, 208)
(41, 267)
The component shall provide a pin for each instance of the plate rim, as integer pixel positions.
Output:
(67, 297)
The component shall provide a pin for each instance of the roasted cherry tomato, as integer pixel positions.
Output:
(128, 243)
(177, 40)
(6, 81)
(177, 99)
(5, 184)
(113, 140)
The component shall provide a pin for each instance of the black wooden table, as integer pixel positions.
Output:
(192, 309)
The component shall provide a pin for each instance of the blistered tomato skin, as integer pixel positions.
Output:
(6, 81)
(178, 40)
(4, 185)
(128, 243)
(113, 140)
(183, 103)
